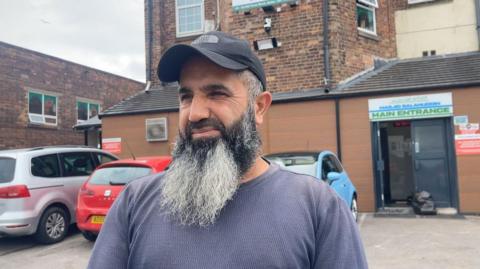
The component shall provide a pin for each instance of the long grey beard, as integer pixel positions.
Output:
(196, 188)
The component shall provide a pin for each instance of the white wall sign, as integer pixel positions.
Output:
(459, 120)
(411, 107)
(243, 5)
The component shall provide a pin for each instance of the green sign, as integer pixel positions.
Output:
(411, 107)
(244, 5)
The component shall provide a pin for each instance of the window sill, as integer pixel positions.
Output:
(368, 35)
(42, 126)
(186, 37)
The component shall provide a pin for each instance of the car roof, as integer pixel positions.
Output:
(157, 162)
(48, 149)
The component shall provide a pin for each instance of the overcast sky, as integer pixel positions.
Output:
(104, 34)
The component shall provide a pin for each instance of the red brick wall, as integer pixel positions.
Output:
(298, 63)
(21, 70)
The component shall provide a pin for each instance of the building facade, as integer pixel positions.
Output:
(357, 33)
(437, 27)
(378, 116)
(43, 97)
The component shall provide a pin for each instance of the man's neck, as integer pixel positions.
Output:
(259, 167)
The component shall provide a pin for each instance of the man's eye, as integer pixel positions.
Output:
(218, 94)
(185, 97)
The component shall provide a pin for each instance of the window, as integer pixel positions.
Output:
(42, 108)
(366, 21)
(103, 158)
(86, 110)
(45, 166)
(330, 164)
(7, 169)
(118, 175)
(189, 14)
(77, 164)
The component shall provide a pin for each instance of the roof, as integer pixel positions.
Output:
(159, 163)
(93, 122)
(433, 72)
(454, 70)
(156, 99)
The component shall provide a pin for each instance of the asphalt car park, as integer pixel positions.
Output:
(394, 243)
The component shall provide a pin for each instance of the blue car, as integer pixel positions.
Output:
(329, 170)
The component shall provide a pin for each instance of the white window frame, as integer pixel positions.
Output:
(371, 8)
(89, 102)
(43, 116)
(162, 121)
(177, 21)
(372, 3)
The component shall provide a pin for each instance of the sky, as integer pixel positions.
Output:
(103, 34)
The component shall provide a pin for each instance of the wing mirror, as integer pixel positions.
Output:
(333, 176)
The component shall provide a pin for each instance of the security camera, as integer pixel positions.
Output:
(267, 24)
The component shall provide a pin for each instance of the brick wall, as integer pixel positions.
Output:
(298, 63)
(21, 70)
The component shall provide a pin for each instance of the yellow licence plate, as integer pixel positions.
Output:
(98, 219)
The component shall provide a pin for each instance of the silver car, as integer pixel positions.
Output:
(39, 187)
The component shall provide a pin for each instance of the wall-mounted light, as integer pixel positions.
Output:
(266, 44)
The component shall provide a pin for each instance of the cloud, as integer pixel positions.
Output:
(107, 34)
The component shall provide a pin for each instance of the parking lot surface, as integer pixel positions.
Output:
(427, 243)
(393, 243)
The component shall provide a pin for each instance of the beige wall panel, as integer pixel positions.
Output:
(467, 102)
(132, 131)
(301, 126)
(356, 149)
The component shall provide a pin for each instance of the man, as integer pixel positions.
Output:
(220, 205)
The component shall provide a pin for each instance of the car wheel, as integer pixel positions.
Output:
(89, 236)
(53, 226)
(354, 208)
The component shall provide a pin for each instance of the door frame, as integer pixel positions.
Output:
(378, 165)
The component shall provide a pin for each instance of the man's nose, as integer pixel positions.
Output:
(199, 110)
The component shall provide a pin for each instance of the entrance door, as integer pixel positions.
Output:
(430, 160)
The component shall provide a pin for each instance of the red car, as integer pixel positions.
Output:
(105, 184)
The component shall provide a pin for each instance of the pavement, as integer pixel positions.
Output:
(421, 242)
(390, 242)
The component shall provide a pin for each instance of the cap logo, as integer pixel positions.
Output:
(206, 39)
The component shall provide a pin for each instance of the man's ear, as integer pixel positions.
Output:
(262, 103)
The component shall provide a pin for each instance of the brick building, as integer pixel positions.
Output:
(296, 26)
(43, 97)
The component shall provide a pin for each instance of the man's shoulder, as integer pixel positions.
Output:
(144, 185)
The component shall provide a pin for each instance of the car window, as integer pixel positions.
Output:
(45, 166)
(77, 164)
(7, 169)
(118, 174)
(103, 158)
(336, 163)
(328, 165)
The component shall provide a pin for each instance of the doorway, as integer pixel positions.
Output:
(413, 156)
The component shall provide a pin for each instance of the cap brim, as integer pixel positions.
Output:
(172, 61)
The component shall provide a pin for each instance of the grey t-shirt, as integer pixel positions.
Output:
(278, 220)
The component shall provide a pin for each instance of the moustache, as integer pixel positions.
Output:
(205, 123)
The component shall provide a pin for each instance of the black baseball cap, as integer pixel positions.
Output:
(221, 48)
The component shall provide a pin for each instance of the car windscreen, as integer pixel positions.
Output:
(118, 175)
(302, 164)
(7, 169)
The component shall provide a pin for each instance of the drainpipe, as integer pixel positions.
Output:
(149, 43)
(477, 12)
(337, 125)
(327, 75)
(326, 49)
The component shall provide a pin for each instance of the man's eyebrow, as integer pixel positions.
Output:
(184, 90)
(216, 87)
